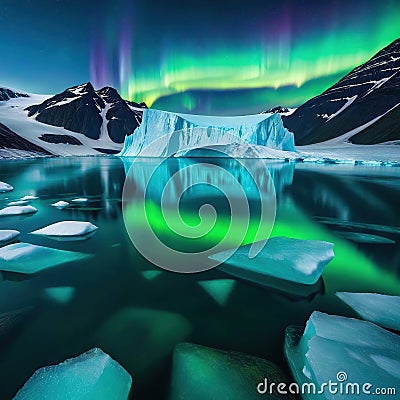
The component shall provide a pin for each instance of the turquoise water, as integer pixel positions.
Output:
(137, 313)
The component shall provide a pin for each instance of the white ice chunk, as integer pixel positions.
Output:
(5, 187)
(18, 203)
(61, 204)
(80, 200)
(7, 234)
(381, 309)
(67, 228)
(93, 375)
(29, 197)
(17, 210)
(27, 258)
(343, 350)
(301, 261)
(219, 289)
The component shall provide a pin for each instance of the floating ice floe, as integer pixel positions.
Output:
(27, 258)
(7, 235)
(142, 338)
(201, 373)
(80, 200)
(29, 197)
(61, 204)
(18, 203)
(366, 238)
(381, 309)
(5, 187)
(151, 274)
(67, 229)
(219, 289)
(17, 210)
(61, 294)
(93, 375)
(301, 261)
(345, 351)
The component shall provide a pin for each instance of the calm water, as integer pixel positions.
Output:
(326, 202)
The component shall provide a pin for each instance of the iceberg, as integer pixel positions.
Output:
(201, 373)
(27, 258)
(7, 235)
(5, 187)
(17, 210)
(93, 375)
(295, 260)
(184, 131)
(67, 229)
(380, 309)
(348, 352)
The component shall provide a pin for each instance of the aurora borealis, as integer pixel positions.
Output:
(213, 57)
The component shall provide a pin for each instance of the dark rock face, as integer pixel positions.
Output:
(93, 113)
(277, 110)
(7, 94)
(367, 100)
(10, 140)
(63, 139)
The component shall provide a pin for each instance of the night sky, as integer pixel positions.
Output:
(222, 57)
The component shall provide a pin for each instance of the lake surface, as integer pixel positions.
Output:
(136, 312)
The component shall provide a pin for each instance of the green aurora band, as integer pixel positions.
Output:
(290, 55)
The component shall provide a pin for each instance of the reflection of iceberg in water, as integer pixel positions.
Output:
(194, 206)
(281, 174)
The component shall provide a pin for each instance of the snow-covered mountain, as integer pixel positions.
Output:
(96, 114)
(362, 108)
(164, 134)
(78, 121)
(284, 111)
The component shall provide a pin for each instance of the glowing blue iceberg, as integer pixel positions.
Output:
(185, 131)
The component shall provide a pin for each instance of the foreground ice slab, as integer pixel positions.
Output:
(93, 375)
(27, 258)
(67, 229)
(381, 309)
(195, 131)
(7, 234)
(5, 187)
(301, 261)
(17, 210)
(201, 373)
(343, 350)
